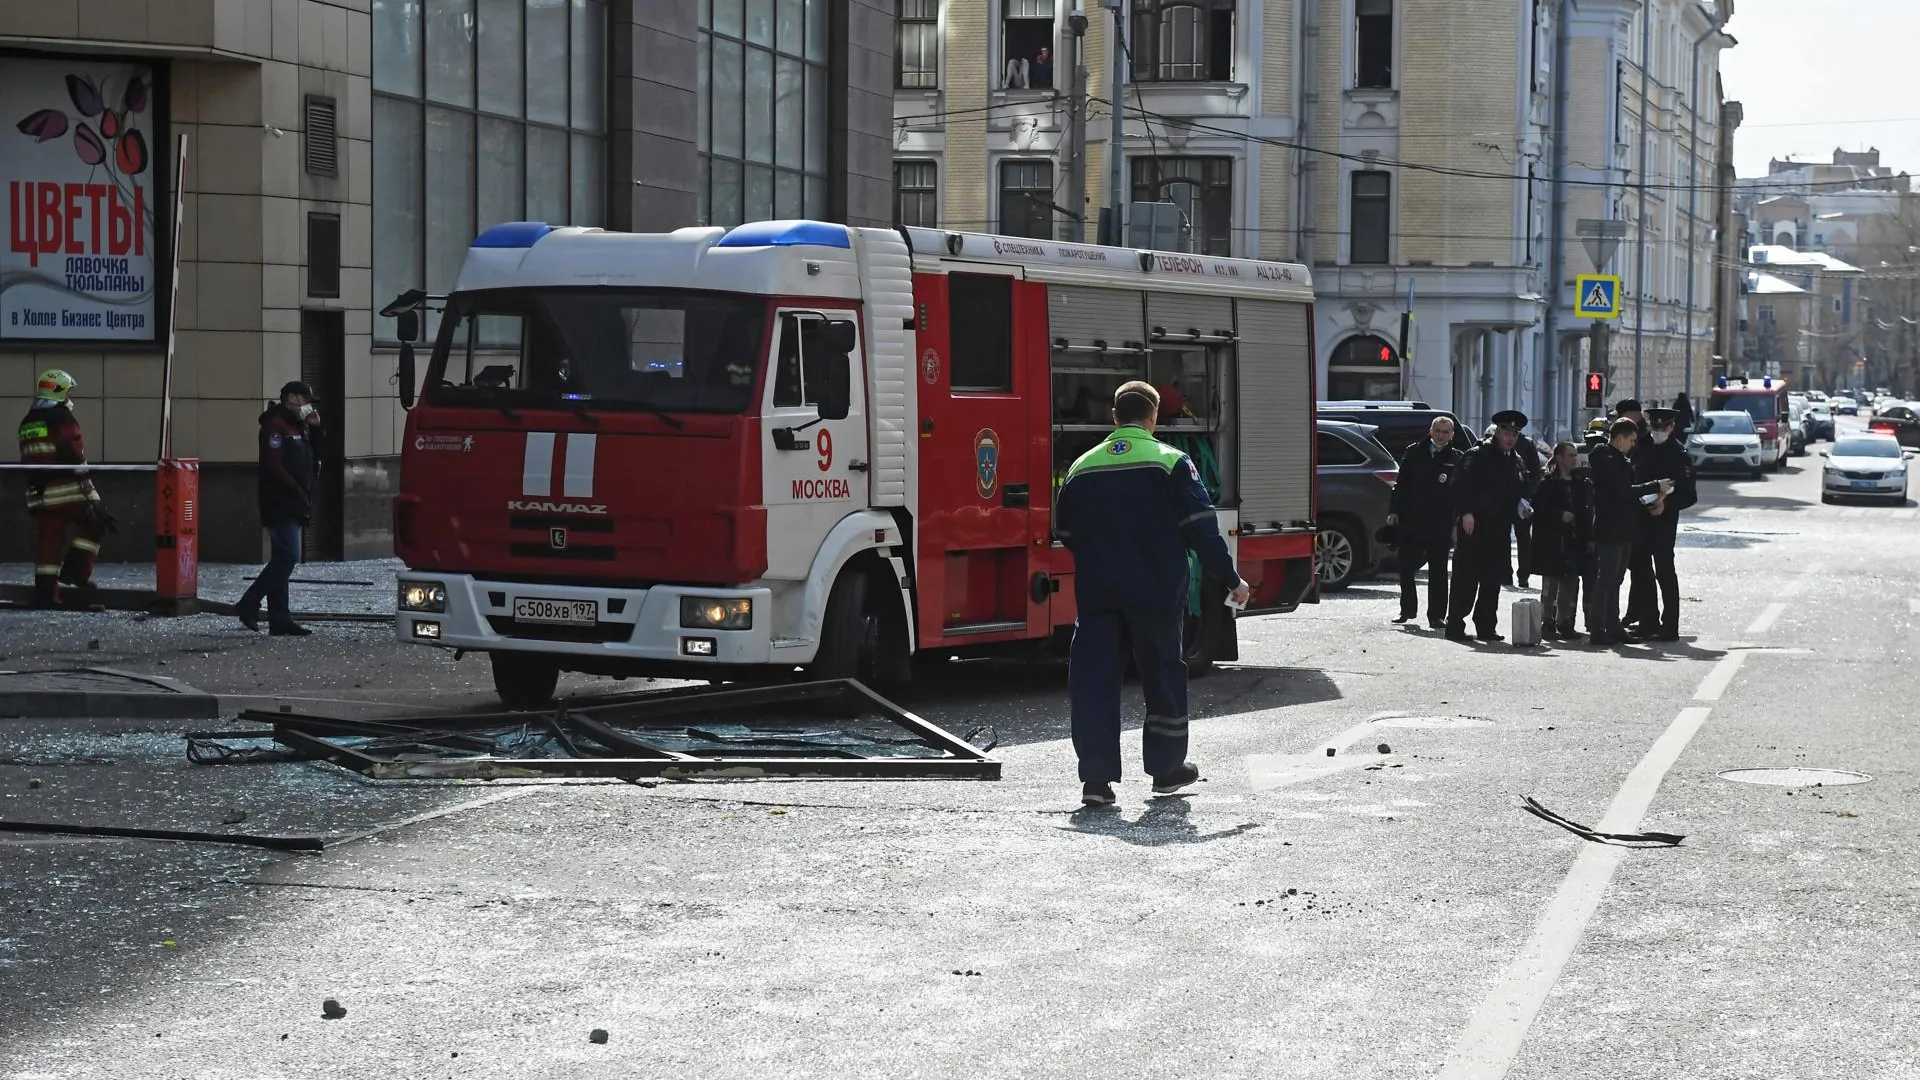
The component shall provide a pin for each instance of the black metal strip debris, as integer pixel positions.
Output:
(833, 729)
(1641, 839)
(276, 843)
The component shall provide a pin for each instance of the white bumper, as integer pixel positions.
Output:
(1704, 460)
(1836, 483)
(634, 624)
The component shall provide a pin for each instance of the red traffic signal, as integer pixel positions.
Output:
(1596, 390)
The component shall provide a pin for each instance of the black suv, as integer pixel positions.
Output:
(1353, 479)
(1399, 424)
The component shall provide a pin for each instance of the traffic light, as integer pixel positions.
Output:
(1596, 390)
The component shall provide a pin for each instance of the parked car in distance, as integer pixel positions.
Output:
(1797, 437)
(1900, 421)
(1354, 480)
(1845, 406)
(1819, 422)
(1398, 424)
(1724, 442)
(1870, 466)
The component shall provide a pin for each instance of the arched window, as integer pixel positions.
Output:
(1364, 368)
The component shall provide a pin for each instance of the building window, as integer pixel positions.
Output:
(1364, 368)
(1370, 215)
(463, 140)
(1373, 44)
(1203, 190)
(917, 55)
(762, 124)
(916, 194)
(1182, 40)
(1026, 199)
(1026, 44)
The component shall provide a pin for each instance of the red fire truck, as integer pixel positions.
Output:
(1765, 399)
(727, 454)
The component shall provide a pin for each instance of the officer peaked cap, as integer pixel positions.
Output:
(1662, 417)
(1510, 418)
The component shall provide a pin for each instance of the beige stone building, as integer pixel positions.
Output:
(982, 120)
(340, 152)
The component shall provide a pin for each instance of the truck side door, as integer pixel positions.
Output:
(811, 476)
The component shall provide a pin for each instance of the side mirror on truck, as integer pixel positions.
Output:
(406, 327)
(836, 398)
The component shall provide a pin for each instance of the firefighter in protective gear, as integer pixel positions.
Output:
(60, 499)
(1130, 510)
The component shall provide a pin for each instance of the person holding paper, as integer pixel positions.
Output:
(1619, 504)
(1129, 511)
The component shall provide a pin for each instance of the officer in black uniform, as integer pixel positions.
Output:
(1490, 491)
(1660, 457)
(1421, 514)
(1529, 454)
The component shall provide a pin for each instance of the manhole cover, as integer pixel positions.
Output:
(1796, 777)
(1433, 721)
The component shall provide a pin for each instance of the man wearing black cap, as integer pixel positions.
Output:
(1490, 496)
(291, 443)
(1660, 457)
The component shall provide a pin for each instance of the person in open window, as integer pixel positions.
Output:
(1040, 72)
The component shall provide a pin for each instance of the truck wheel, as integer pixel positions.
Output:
(849, 634)
(524, 680)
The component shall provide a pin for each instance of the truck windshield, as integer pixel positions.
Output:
(1758, 406)
(656, 349)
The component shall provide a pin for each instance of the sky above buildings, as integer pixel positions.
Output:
(1819, 74)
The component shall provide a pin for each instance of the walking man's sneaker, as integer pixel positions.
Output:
(1186, 774)
(1096, 795)
(249, 618)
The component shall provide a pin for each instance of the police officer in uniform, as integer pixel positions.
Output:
(60, 499)
(1129, 511)
(1660, 457)
(1529, 454)
(1490, 489)
(291, 444)
(1422, 519)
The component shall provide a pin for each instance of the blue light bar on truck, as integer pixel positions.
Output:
(787, 234)
(513, 234)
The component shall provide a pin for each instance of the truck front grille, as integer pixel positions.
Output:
(606, 631)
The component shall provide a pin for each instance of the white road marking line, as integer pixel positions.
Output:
(1767, 618)
(1792, 588)
(1498, 1028)
(1266, 772)
(1717, 680)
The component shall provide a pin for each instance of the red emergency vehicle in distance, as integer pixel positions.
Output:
(1765, 399)
(726, 454)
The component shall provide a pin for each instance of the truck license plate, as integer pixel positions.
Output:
(556, 612)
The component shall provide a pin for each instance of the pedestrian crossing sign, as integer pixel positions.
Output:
(1596, 296)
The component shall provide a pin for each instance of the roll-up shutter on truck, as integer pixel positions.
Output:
(1180, 313)
(1084, 316)
(1276, 414)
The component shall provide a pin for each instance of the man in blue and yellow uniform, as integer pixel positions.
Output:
(1129, 511)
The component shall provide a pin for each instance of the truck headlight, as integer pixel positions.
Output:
(422, 596)
(716, 613)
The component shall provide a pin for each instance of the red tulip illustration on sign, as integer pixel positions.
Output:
(129, 156)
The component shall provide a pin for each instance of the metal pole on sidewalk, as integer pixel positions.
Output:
(1693, 188)
(1116, 153)
(1645, 82)
(1074, 227)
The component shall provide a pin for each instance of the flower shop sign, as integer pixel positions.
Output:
(77, 164)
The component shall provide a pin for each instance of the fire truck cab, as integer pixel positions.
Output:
(724, 454)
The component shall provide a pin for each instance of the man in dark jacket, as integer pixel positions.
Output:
(1490, 492)
(1421, 514)
(291, 444)
(1620, 502)
(1129, 511)
(1529, 454)
(1661, 457)
(1562, 528)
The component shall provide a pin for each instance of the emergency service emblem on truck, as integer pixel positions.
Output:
(732, 453)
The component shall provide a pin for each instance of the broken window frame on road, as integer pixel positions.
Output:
(619, 740)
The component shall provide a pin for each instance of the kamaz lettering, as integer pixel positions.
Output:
(557, 507)
(833, 488)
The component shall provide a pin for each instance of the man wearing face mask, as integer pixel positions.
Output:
(1661, 457)
(291, 444)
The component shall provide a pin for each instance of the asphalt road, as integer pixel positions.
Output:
(1384, 913)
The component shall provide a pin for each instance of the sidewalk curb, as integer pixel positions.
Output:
(169, 700)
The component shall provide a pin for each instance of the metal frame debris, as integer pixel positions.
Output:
(624, 740)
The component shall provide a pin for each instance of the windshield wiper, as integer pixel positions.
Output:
(578, 407)
(666, 417)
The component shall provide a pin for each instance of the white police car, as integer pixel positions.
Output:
(1864, 466)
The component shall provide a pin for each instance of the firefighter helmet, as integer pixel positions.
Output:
(55, 385)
